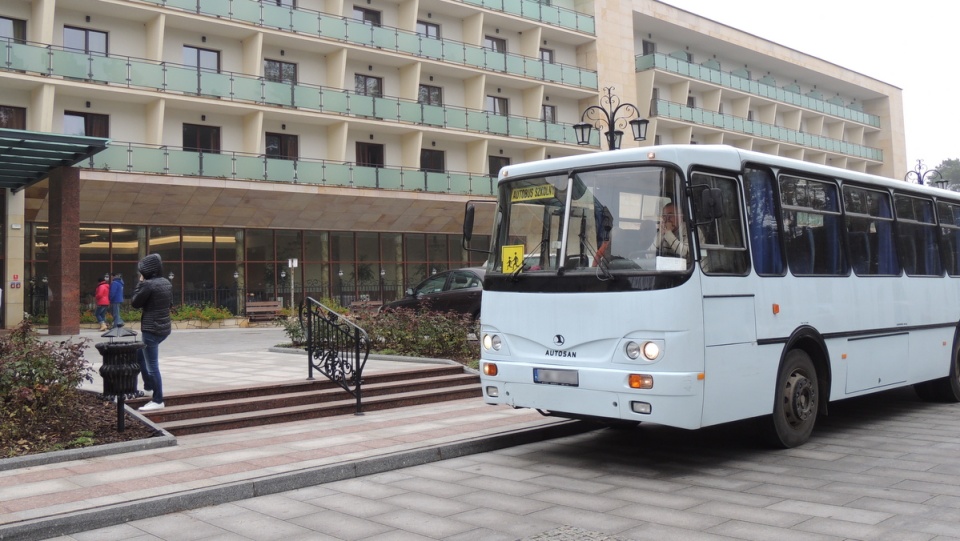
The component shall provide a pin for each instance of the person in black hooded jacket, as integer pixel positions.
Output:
(154, 295)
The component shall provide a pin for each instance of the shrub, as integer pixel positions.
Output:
(37, 380)
(201, 312)
(401, 331)
(290, 321)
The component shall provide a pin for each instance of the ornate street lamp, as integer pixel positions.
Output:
(604, 116)
(920, 175)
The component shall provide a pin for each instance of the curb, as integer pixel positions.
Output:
(161, 439)
(69, 523)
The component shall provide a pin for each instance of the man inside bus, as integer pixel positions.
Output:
(671, 238)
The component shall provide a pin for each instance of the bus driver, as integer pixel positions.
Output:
(671, 238)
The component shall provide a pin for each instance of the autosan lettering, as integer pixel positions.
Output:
(560, 353)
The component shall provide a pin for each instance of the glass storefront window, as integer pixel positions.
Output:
(94, 244)
(437, 255)
(259, 245)
(228, 244)
(165, 242)
(197, 244)
(288, 244)
(128, 243)
(315, 246)
(198, 283)
(341, 246)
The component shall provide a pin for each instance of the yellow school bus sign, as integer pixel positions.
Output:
(529, 193)
(512, 257)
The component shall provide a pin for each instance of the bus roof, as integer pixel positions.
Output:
(718, 156)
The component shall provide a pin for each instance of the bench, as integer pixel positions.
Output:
(365, 307)
(263, 310)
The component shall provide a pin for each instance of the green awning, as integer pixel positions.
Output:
(27, 157)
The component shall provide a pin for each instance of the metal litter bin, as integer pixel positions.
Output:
(120, 368)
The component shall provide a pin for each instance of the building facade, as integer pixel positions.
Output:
(349, 135)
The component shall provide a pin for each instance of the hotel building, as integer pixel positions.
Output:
(244, 134)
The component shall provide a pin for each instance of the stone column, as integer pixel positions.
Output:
(64, 259)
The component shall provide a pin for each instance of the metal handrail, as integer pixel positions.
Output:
(336, 347)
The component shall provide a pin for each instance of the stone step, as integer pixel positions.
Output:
(346, 406)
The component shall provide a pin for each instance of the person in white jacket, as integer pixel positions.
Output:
(672, 238)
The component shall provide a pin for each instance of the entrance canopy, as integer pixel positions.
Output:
(28, 157)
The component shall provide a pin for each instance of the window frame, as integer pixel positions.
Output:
(428, 91)
(498, 105)
(429, 30)
(367, 15)
(282, 65)
(365, 79)
(87, 32)
(288, 146)
(495, 44)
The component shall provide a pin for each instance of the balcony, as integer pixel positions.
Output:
(756, 88)
(344, 29)
(126, 157)
(701, 117)
(538, 11)
(187, 80)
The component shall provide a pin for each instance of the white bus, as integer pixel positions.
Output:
(784, 285)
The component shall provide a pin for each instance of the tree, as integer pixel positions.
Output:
(950, 170)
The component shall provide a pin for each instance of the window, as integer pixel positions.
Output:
(197, 138)
(750, 115)
(14, 118)
(495, 44)
(763, 221)
(368, 16)
(13, 29)
(88, 124)
(649, 47)
(285, 3)
(283, 146)
(548, 113)
(432, 160)
(370, 155)
(917, 236)
(691, 102)
(546, 55)
(430, 95)
(368, 86)
(949, 215)
(202, 59)
(869, 224)
(497, 106)
(279, 72)
(87, 41)
(497, 163)
(721, 240)
(812, 226)
(429, 30)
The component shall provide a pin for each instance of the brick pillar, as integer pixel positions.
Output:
(64, 264)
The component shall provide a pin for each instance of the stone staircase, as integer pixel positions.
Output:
(194, 413)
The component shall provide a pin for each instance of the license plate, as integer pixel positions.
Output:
(556, 377)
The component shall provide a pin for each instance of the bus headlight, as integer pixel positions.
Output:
(647, 350)
(651, 350)
(492, 342)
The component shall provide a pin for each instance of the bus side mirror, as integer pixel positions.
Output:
(711, 205)
(468, 223)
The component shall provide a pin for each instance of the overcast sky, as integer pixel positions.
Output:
(911, 45)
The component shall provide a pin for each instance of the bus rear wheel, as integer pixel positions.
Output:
(944, 389)
(796, 401)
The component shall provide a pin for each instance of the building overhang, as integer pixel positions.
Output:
(28, 157)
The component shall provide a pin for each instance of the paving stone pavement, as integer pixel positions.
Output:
(883, 467)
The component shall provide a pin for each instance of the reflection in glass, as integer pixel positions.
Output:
(165, 242)
(197, 244)
(95, 244)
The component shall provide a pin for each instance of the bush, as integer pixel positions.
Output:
(290, 321)
(201, 312)
(401, 331)
(37, 380)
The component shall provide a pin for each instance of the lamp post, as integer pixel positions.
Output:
(383, 274)
(236, 292)
(604, 116)
(920, 175)
(340, 274)
(283, 276)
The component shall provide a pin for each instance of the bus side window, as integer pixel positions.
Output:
(721, 241)
(763, 222)
(949, 216)
(869, 224)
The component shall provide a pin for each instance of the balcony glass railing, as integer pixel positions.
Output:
(539, 11)
(729, 80)
(166, 160)
(677, 111)
(168, 77)
(324, 25)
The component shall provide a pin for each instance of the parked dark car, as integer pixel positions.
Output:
(457, 290)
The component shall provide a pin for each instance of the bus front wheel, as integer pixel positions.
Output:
(944, 389)
(796, 402)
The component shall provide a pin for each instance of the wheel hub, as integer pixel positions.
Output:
(801, 398)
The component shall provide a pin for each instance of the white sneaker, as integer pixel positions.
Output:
(151, 406)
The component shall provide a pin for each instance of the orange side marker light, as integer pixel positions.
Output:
(776, 308)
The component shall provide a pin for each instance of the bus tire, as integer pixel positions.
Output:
(944, 389)
(796, 401)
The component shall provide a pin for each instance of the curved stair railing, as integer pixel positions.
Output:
(336, 347)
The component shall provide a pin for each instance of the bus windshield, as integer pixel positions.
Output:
(609, 220)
